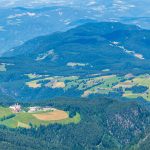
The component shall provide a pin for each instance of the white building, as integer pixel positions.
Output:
(15, 108)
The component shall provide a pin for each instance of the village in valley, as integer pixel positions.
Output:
(16, 108)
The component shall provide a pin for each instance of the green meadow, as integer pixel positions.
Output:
(28, 120)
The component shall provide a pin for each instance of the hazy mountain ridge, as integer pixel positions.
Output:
(85, 52)
(21, 21)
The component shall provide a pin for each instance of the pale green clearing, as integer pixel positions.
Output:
(25, 119)
(97, 84)
(142, 80)
(5, 112)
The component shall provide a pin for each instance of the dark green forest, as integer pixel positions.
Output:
(105, 124)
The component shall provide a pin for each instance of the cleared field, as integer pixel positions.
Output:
(33, 84)
(130, 94)
(5, 112)
(23, 125)
(97, 84)
(126, 84)
(25, 119)
(104, 86)
(33, 76)
(54, 85)
(142, 80)
(51, 82)
(52, 116)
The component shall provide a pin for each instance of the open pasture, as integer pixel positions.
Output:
(35, 119)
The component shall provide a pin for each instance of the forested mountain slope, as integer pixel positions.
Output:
(105, 124)
(95, 58)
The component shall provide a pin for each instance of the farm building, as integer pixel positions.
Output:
(15, 108)
(37, 108)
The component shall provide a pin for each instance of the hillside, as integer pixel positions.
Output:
(105, 124)
(17, 116)
(95, 58)
(22, 21)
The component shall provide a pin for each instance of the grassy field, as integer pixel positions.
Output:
(25, 119)
(98, 84)
(5, 112)
(142, 80)
(51, 82)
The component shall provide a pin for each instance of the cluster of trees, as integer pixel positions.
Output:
(7, 117)
(138, 89)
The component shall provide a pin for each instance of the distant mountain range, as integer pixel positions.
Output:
(22, 21)
(61, 64)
